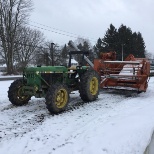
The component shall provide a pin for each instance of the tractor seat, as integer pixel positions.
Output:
(73, 67)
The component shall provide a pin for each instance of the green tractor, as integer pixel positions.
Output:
(55, 83)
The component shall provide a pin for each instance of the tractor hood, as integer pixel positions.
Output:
(46, 69)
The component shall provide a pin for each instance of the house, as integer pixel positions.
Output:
(2, 67)
(74, 62)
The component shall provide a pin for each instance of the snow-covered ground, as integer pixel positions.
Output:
(119, 122)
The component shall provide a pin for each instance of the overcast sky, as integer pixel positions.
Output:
(91, 18)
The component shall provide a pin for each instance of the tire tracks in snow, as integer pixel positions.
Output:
(17, 121)
(105, 104)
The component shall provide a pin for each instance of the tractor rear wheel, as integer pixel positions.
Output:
(15, 94)
(57, 98)
(89, 86)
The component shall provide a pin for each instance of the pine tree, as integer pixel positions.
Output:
(64, 55)
(110, 39)
(122, 41)
(99, 44)
(83, 47)
(86, 46)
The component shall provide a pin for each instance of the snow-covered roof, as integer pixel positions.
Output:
(74, 61)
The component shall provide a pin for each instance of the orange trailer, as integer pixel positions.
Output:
(132, 72)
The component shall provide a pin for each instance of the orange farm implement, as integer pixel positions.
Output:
(132, 72)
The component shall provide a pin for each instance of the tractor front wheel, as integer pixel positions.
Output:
(89, 86)
(15, 93)
(57, 98)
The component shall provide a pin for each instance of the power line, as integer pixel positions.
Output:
(64, 33)
(51, 31)
(54, 28)
(61, 30)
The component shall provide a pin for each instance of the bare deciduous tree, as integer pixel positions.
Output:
(53, 53)
(13, 14)
(27, 46)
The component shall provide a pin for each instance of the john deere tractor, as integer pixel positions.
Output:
(55, 83)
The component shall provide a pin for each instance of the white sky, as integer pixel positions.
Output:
(91, 18)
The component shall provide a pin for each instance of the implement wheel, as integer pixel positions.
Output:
(89, 86)
(15, 94)
(57, 98)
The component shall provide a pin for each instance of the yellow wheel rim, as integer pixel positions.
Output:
(94, 86)
(20, 96)
(61, 98)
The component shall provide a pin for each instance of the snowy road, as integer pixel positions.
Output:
(119, 122)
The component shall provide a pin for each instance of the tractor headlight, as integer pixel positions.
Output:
(37, 72)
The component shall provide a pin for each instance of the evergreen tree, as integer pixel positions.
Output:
(86, 46)
(83, 47)
(110, 39)
(80, 46)
(122, 41)
(64, 55)
(139, 45)
(99, 44)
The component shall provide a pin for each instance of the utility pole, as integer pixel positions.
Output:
(122, 54)
(46, 59)
(51, 53)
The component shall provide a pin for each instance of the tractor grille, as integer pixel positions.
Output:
(30, 75)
